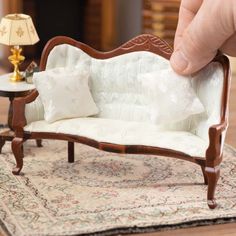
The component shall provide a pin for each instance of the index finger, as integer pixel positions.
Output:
(187, 12)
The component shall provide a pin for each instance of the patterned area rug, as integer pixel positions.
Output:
(109, 193)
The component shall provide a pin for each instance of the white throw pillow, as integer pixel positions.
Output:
(65, 93)
(170, 96)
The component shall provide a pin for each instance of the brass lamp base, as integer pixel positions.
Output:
(16, 59)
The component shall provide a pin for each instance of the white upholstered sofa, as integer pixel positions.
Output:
(121, 124)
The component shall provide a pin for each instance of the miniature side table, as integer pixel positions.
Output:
(12, 90)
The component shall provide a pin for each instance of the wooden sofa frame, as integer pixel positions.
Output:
(210, 166)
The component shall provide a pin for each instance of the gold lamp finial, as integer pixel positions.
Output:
(17, 30)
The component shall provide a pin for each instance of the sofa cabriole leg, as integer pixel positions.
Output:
(213, 174)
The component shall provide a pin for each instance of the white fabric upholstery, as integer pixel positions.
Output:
(34, 111)
(109, 77)
(125, 132)
(170, 96)
(208, 84)
(115, 86)
(65, 93)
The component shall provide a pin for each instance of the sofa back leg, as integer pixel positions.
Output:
(204, 175)
(39, 142)
(213, 174)
(71, 152)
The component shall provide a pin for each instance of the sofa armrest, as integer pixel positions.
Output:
(216, 143)
(19, 119)
(219, 128)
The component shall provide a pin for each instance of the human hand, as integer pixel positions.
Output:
(204, 27)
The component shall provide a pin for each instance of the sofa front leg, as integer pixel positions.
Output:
(213, 174)
(17, 149)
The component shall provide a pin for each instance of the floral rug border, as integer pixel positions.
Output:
(148, 229)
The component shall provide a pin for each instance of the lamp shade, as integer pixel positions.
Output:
(18, 29)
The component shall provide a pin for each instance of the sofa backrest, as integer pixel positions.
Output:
(116, 90)
(209, 86)
(113, 81)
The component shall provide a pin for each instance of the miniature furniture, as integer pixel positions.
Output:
(12, 90)
(199, 139)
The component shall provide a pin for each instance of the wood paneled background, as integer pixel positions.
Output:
(160, 17)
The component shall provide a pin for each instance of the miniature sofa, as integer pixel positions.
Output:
(198, 139)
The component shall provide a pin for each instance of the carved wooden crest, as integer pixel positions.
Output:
(148, 42)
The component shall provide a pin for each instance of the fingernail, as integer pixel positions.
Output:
(179, 61)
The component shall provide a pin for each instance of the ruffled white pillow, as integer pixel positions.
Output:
(65, 93)
(170, 96)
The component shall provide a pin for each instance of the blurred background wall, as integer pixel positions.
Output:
(102, 24)
(1, 15)
(129, 19)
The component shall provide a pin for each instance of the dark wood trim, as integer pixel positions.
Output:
(146, 42)
(116, 148)
(13, 94)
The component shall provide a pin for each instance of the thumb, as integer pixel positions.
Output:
(210, 28)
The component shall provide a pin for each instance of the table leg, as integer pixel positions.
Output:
(3, 138)
(10, 113)
(8, 135)
(10, 117)
(2, 142)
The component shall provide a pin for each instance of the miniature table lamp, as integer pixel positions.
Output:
(17, 30)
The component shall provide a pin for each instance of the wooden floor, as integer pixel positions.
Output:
(217, 230)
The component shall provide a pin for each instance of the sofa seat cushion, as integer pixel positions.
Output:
(124, 133)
